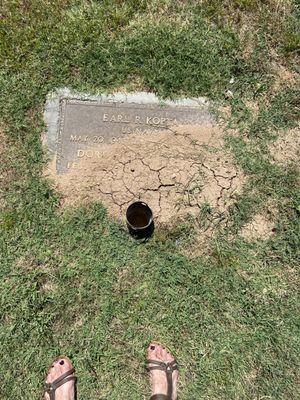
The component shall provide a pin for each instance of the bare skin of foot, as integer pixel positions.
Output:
(67, 390)
(158, 378)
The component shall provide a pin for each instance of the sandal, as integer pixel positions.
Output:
(51, 387)
(168, 368)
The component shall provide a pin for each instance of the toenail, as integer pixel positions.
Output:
(152, 347)
(62, 362)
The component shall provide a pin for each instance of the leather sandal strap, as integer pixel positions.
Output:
(156, 367)
(61, 378)
(156, 362)
(173, 364)
(170, 383)
(51, 387)
(168, 368)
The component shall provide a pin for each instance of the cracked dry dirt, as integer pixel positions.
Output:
(175, 171)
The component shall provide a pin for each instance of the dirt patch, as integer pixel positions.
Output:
(175, 171)
(283, 77)
(286, 149)
(262, 226)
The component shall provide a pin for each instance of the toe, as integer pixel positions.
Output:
(169, 357)
(64, 364)
(160, 352)
(152, 351)
(51, 374)
(164, 354)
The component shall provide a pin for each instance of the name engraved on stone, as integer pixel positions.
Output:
(85, 124)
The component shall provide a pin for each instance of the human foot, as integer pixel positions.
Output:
(61, 368)
(159, 373)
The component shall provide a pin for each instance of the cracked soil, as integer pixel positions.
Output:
(175, 171)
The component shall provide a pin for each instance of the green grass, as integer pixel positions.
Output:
(73, 282)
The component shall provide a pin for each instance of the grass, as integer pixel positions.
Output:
(73, 282)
